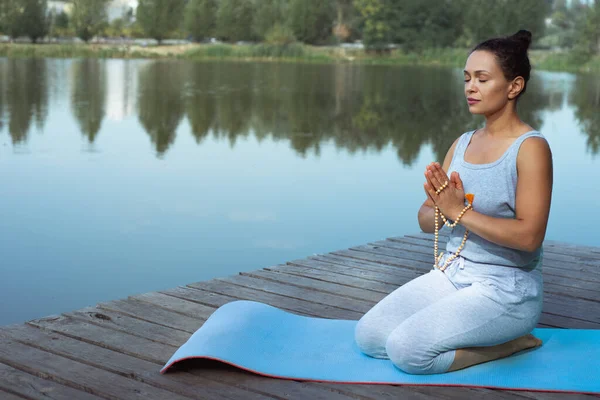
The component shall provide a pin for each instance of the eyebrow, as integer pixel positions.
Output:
(477, 72)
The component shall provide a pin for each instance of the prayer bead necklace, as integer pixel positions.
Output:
(437, 257)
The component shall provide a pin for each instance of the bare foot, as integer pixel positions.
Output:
(525, 342)
(476, 355)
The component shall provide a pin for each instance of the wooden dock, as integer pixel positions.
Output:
(115, 350)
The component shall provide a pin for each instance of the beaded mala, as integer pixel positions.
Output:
(437, 257)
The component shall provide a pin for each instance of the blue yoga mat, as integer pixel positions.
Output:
(268, 341)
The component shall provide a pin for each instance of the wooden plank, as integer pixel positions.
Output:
(102, 336)
(559, 321)
(185, 384)
(554, 253)
(369, 253)
(576, 273)
(383, 259)
(198, 295)
(298, 293)
(568, 291)
(302, 307)
(384, 270)
(133, 364)
(334, 277)
(347, 267)
(77, 375)
(413, 260)
(148, 312)
(176, 305)
(124, 323)
(32, 387)
(571, 247)
(215, 300)
(301, 281)
(7, 396)
(127, 345)
(560, 306)
(553, 283)
(568, 306)
(360, 265)
(426, 247)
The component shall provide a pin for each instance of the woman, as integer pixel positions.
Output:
(483, 296)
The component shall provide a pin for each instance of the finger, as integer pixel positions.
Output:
(440, 174)
(458, 181)
(429, 178)
(454, 181)
(430, 191)
(433, 180)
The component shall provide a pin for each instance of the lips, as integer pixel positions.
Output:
(472, 101)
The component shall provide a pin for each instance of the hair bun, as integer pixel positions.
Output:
(523, 37)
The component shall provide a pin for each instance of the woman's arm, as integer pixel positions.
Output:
(427, 210)
(533, 195)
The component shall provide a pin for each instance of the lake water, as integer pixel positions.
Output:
(121, 177)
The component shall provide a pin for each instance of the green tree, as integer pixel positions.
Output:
(89, 17)
(588, 28)
(267, 14)
(485, 19)
(59, 24)
(312, 20)
(234, 20)
(34, 21)
(200, 18)
(421, 24)
(159, 18)
(376, 31)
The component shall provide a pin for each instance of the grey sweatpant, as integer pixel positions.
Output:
(420, 325)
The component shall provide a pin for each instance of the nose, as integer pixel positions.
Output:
(470, 86)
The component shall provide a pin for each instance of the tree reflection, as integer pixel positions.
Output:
(585, 96)
(160, 101)
(200, 99)
(88, 98)
(358, 108)
(26, 96)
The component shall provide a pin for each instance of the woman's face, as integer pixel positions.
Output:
(486, 89)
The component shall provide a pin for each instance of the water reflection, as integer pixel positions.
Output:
(356, 108)
(26, 96)
(160, 102)
(585, 97)
(88, 98)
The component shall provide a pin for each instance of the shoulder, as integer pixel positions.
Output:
(534, 152)
(534, 145)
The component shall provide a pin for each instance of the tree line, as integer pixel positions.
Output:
(410, 24)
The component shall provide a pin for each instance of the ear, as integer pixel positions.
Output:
(516, 87)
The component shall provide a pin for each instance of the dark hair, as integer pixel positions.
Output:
(511, 54)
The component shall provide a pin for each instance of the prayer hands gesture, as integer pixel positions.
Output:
(446, 193)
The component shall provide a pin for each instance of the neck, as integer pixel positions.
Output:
(503, 122)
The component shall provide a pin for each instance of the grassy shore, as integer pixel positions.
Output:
(545, 60)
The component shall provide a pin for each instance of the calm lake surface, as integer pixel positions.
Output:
(121, 177)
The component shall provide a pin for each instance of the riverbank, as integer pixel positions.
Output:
(541, 59)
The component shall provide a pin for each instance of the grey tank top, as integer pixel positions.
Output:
(494, 186)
